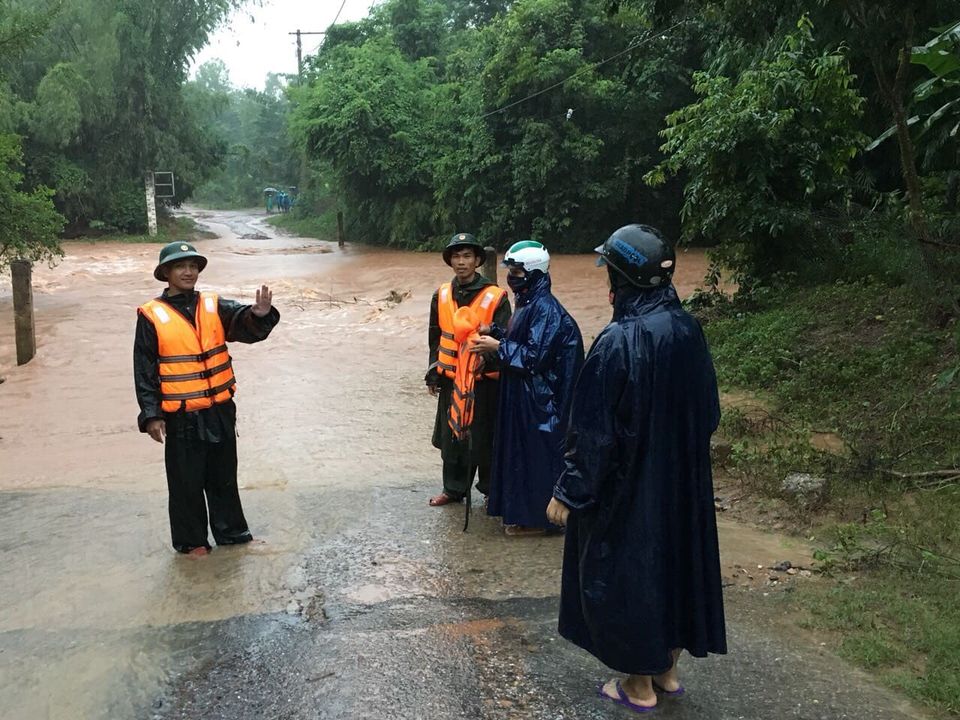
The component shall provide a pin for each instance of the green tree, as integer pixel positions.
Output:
(764, 153)
(29, 224)
(99, 101)
(571, 131)
(250, 127)
(426, 130)
(938, 98)
(365, 114)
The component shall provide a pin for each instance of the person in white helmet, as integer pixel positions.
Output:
(540, 355)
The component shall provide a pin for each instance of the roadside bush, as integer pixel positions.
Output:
(125, 208)
(765, 152)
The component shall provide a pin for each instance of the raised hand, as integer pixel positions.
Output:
(261, 308)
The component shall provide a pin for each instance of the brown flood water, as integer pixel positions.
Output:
(97, 611)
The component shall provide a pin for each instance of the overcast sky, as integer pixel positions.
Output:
(253, 48)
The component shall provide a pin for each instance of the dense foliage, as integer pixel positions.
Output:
(737, 124)
(416, 116)
(765, 152)
(97, 95)
(252, 127)
(29, 224)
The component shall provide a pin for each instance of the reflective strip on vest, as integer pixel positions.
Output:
(209, 392)
(463, 395)
(161, 314)
(196, 371)
(198, 375)
(193, 358)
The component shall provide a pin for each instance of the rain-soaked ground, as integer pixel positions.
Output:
(357, 601)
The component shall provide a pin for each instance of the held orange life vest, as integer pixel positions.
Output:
(484, 305)
(196, 371)
(463, 397)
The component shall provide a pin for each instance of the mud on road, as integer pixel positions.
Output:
(358, 600)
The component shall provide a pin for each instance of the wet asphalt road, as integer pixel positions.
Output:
(412, 619)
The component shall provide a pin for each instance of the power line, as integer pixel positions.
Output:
(337, 16)
(300, 45)
(584, 69)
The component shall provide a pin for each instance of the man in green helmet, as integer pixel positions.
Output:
(184, 382)
(462, 460)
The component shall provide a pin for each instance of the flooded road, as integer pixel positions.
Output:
(357, 600)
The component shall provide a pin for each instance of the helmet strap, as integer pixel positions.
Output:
(618, 280)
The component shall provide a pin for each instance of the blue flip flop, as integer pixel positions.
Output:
(669, 693)
(623, 699)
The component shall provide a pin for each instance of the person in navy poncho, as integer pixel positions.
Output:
(641, 568)
(540, 355)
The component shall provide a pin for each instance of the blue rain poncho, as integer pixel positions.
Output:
(641, 567)
(540, 356)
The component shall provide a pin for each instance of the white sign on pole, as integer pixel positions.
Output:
(163, 184)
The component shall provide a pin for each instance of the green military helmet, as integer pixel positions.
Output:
(461, 240)
(177, 250)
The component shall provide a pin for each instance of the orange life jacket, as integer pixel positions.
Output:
(196, 371)
(484, 305)
(460, 416)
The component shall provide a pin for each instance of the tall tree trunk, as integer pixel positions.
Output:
(953, 190)
(893, 93)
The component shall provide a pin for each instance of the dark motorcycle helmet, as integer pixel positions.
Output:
(640, 254)
(462, 240)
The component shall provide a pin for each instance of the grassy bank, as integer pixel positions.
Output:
(321, 227)
(169, 228)
(871, 368)
(903, 627)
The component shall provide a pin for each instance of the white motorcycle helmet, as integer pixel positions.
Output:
(528, 255)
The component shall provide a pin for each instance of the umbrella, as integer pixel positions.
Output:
(270, 190)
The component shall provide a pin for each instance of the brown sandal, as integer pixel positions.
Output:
(443, 499)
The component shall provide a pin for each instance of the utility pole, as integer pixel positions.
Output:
(151, 195)
(299, 34)
(26, 339)
(304, 176)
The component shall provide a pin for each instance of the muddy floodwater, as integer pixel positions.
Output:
(99, 618)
